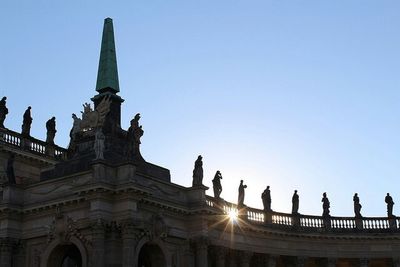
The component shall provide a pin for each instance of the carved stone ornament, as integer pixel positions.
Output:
(93, 118)
(63, 227)
(159, 229)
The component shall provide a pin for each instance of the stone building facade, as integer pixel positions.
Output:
(98, 203)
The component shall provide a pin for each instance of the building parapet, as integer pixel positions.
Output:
(305, 223)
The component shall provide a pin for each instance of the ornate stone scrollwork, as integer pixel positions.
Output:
(63, 227)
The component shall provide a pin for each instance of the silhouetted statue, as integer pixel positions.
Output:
(198, 172)
(241, 194)
(390, 203)
(99, 144)
(26, 124)
(217, 187)
(135, 132)
(3, 111)
(51, 130)
(10, 170)
(76, 126)
(295, 203)
(266, 199)
(357, 206)
(325, 205)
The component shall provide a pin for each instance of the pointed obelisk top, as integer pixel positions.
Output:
(107, 75)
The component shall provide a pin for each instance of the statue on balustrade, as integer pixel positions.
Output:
(3, 111)
(10, 170)
(217, 187)
(198, 171)
(51, 130)
(295, 203)
(357, 206)
(325, 205)
(27, 121)
(266, 199)
(99, 144)
(135, 132)
(390, 203)
(240, 203)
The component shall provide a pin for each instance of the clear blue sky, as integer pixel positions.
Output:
(292, 94)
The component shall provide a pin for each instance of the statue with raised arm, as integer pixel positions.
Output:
(135, 132)
(99, 144)
(266, 199)
(357, 206)
(3, 111)
(240, 203)
(27, 121)
(198, 172)
(51, 130)
(390, 203)
(295, 203)
(217, 187)
(325, 205)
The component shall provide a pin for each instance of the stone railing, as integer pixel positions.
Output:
(31, 144)
(306, 223)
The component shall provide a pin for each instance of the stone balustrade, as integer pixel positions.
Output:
(31, 144)
(307, 223)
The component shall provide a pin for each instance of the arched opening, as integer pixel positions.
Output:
(151, 255)
(67, 255)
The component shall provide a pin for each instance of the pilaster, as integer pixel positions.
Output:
(245, 258)
(272, 261)
(129, 242)
(98, 243)
(220, 254)
(201, 247)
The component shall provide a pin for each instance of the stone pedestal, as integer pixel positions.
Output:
(296, 220)
(359, 223)
(268, 217)
(392, 222)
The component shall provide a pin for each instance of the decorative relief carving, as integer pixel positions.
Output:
(63, 227)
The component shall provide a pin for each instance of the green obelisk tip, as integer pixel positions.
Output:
(107, 75)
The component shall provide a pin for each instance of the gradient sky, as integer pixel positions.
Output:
(292, 94)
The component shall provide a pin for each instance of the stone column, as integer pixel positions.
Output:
(364, 262)
(245, 257)
(220, 254)
(201, 246)
(98, 244)
(5, 253)
(129, 242)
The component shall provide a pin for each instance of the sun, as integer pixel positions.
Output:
(233, 215)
